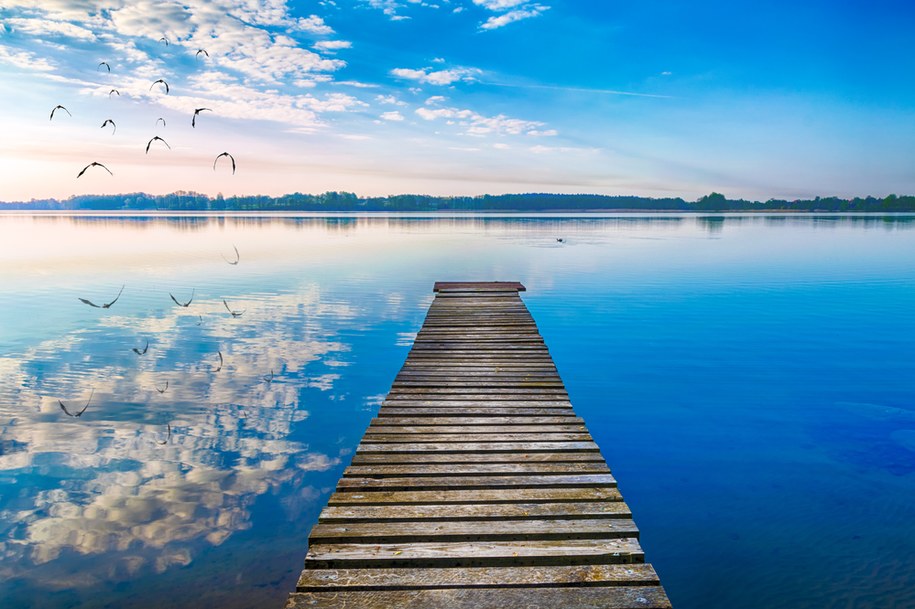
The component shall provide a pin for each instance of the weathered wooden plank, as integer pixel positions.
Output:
(429, 372)
(457, 348)
(413, 410)
(557, 409)
(478, 358)
(452, 469)
(420, 531)
(476, 385)
(489, 340)
(480, 402)
(499, 324)
(476, 553)
(531, 362)
(435, 358)
(441, 438)
(478, 577)
(448, 371)
(483, 512)
(495, 329)
(478, 447)
(476, 497)
(522, 393)
(376, 429)
(464, 369)
(428, 483)
(425, 373)
(472, 458)
(457, 401)
(609, 597)
(512, 287)
(477, 421)
(468, 319)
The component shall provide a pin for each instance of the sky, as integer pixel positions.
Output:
(458, 97)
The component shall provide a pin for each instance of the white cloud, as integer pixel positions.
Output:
(356, 84)
(61, 9)
(498, 5)
(477, 124)
(527, 12)
(333, 102)
(333, 45)
(152, 19)
(543, 133)
(35, 26)
(313, 24)
(389, 100)
(394, 115)
(435, 99)
(24, 59)
(267, 57)
(437, 77)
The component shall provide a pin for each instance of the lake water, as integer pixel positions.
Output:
(750, 380)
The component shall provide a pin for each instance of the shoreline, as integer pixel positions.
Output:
(442, 213)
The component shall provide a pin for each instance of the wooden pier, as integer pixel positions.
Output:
(477, 487)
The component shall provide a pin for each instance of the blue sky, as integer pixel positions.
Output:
(754, 99)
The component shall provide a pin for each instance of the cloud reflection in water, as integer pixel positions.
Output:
(104, 485)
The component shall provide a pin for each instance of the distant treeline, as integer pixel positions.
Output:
(349, 202)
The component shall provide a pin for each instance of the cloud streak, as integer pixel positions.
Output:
(473, 123)
(430, 76)
(510, 11)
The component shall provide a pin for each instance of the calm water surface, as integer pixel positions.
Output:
(751, 381)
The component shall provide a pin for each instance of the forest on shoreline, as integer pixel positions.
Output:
(183, 201)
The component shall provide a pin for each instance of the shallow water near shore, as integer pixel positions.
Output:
(750, 380)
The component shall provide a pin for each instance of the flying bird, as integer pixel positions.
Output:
(110, 122)
(115, 91)
(196, 112)
(219, 353)
(160, 119)
(234, 313)
(103, 306)
(80, 413)
(164, 39)
(142, 351)
(168, 437)
(269, 378)
(560, 240)
(199, 51)
(183, 304)
(56, 108)
(157, 82)
(103, 63)
(199, 320)
(226, 154)
(149, 143)
(163, 389)
(92, 164)
(237, 257)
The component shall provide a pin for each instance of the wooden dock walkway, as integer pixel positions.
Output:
(477, 487)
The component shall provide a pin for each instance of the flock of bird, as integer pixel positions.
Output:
(71, 412)
(167, 89)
